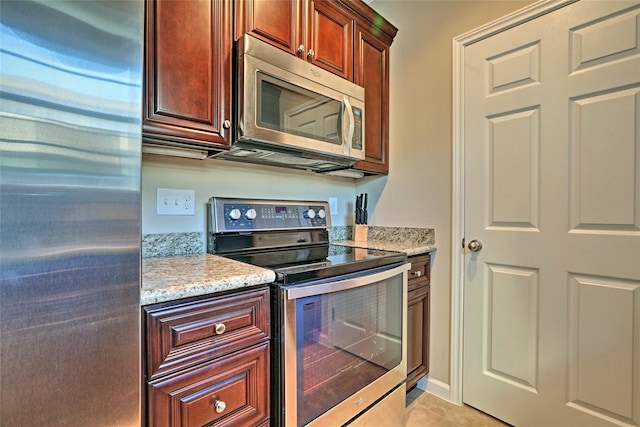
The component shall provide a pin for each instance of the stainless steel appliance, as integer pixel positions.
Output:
(70, 102)
(338, 313)
(292, 113)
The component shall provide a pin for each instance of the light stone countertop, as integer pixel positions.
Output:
(175, 277)
(410, 248)
(410, 240)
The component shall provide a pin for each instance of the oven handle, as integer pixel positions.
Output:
(341, 285)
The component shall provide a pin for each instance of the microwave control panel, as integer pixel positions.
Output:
(357, 128)
(233, 215)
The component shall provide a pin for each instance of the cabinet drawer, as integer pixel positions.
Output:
(232, 390)
(419, 275)
(182, 335)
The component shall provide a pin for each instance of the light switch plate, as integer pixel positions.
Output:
(333, 205)
(175, 202)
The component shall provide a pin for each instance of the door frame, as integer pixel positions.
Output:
(458, 253)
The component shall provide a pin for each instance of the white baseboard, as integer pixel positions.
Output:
(436, 387)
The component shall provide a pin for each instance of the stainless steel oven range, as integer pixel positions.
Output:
(338, 313)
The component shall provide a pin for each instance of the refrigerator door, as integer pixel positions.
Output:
(70, 103)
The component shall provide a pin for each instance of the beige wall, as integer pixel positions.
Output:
(417, 191)
(228, 179)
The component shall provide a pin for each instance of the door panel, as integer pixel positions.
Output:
(591, 376)
(597, 167)
(552, 190)
(510, 339)
(513, 192)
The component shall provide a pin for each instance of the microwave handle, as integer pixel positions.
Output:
(346, 142)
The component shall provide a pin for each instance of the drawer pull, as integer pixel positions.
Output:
(220, 328)
(220, 406)
(417, 273)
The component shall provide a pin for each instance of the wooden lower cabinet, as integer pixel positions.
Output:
(207, 360)
(232, 390)
(418, 319)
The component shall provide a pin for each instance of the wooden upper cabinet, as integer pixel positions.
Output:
(275, 22)
(330, 38)
(318, 31)
(372, 73)
(188, 74)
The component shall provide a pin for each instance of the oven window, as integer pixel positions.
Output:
(287, 108)
(345, 340)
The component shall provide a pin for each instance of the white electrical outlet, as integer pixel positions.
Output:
(175, 202)
(333, 205)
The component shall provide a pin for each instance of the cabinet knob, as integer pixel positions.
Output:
(311, 53)
(226, 124)
(417, 273)
(220, 328)
(220, 406)
(301, 48)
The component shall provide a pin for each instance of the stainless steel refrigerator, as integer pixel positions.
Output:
(70, 142)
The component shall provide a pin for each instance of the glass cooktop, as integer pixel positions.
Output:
(316, 262)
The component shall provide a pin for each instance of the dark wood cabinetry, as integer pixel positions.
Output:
(418, 319)
(317, 31)
(187, 87)
(372, 73)
(207, 360)
(189, 64)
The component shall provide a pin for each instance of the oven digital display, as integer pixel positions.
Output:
(281, 210)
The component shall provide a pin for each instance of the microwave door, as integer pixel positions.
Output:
(283, 109)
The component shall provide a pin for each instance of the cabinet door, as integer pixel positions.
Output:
(188, 72)
(417, 335)
(372, 73)
(275, 22)
(317, 31)
(330, 38)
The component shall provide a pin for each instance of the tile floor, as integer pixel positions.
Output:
(427, 410)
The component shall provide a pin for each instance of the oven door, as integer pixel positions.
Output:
(344, 345)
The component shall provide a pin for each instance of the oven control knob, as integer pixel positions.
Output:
(322, 214)
(235, 214)
(250, 214)
(310, 214)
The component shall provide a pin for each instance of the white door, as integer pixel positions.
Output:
(552, 191)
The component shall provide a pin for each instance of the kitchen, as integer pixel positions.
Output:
(417, 191)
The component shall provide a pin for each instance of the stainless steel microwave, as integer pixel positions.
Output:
(293, 113)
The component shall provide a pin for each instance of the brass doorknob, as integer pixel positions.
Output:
(475, 246)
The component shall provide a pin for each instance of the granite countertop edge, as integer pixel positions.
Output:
(183, 276)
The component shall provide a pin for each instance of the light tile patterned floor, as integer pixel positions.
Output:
(427, 410)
